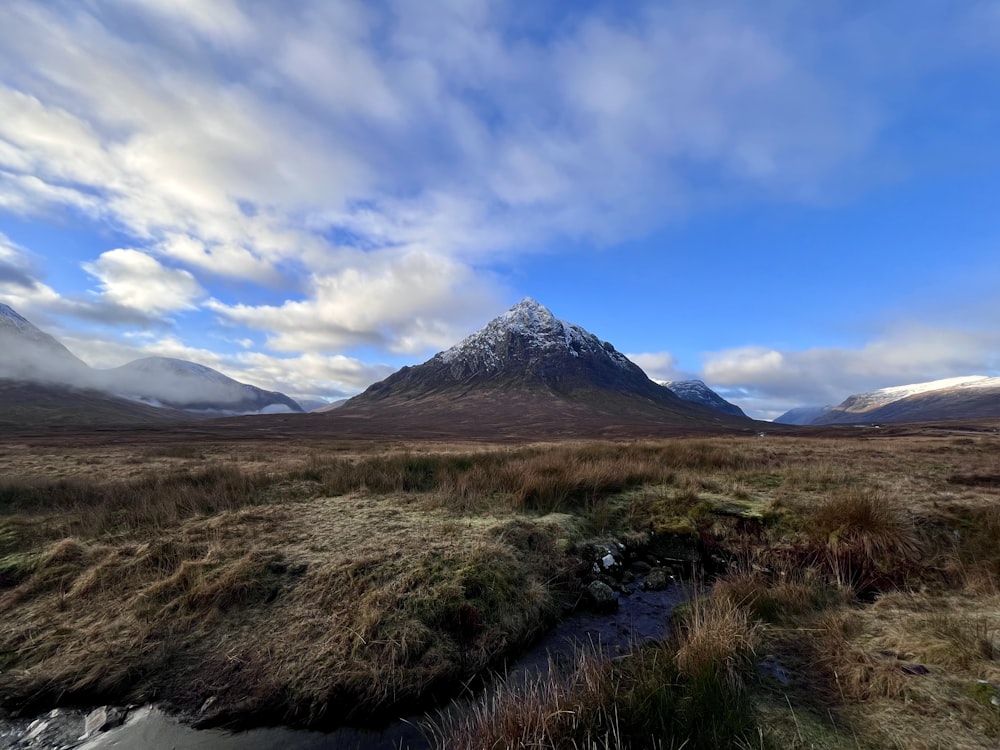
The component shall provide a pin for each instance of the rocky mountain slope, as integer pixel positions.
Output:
(522, 365)
(697, 392)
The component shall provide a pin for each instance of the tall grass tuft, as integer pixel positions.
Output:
(868, 544)
(686, 691)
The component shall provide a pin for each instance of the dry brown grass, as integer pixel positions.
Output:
(356, 597)
(297, 578)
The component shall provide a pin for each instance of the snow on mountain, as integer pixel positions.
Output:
(528, 356)
(883, 396)
(697, 392)
(950, 398)
(538, 329)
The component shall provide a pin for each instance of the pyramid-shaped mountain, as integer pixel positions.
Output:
(527, 367)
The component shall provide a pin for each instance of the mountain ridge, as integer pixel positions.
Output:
(936, 400)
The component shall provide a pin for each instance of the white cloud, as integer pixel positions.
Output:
(657, 365)
(380, 120)
(399, 302)
(773, 381)
(134, 280)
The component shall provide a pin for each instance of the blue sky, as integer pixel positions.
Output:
(792, 201)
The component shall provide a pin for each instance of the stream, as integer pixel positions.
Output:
(641, 616)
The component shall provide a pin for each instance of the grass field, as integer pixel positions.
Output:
(858, 604)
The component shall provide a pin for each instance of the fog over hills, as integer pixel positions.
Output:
(180, 384)
(28, 353)
(32, 356)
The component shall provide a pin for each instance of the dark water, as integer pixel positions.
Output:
(642, 616)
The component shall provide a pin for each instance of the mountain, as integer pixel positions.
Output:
(968, 397)
(25, 404)
(179, 384)
(30, 354)
(43, 382)
(802, 415)
(528, 370)
(328, 406)
(697, 392)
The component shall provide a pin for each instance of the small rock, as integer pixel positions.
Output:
(602, 596)
(641, 567)
(655, 580)
(35, 728)
(102, 719)
(95, 722)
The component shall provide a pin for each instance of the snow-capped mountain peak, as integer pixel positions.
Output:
(538, 332)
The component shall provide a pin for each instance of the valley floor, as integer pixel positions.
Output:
(851, 593)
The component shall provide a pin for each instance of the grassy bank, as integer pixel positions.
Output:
(858, 606)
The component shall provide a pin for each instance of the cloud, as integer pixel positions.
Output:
(770, 381)
(658, 365)
(394, 301)
(16, 269)
(135, 281)
(439, 130)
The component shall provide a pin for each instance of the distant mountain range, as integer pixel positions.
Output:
(968, 397)
(38, 371)
(528, 367)
(524, 373)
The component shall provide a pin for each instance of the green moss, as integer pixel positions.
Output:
(983, 693)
